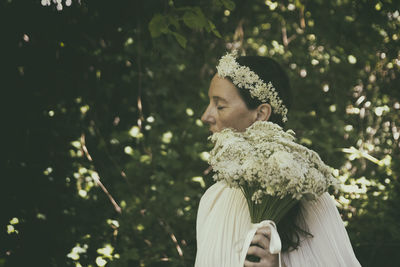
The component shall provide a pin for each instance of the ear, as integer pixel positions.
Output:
(263, 112)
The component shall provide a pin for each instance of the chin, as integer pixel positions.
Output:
(214, 131)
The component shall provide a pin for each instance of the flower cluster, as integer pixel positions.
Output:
(268, 158)
(243, 77)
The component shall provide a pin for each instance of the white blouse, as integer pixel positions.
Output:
(223, 221)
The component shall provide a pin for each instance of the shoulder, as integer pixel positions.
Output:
(324, 201)
(320, 213)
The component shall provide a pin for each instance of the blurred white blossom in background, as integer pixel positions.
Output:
(59, 3)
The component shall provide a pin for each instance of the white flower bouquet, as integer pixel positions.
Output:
(271, 169)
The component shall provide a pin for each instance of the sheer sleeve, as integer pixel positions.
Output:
(223, 220)
(330, 245)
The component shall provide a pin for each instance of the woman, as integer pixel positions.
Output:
(312, 232)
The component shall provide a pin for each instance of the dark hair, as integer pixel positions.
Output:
(270, 71)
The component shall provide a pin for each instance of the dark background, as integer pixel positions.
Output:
(115, 89)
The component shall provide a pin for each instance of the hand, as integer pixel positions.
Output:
(260, 248)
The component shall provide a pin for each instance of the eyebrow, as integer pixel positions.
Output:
(218, 98)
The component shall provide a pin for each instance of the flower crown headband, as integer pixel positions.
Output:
(243, 77)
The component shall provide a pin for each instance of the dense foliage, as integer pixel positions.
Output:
(112, 91)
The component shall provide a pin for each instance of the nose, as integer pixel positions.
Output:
(207, 116)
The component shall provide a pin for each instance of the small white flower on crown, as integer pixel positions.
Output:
(243, 77)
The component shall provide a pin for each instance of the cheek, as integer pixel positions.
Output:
(224, 119)
(237, 119)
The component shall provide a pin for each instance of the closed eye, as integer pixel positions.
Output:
(220, 107)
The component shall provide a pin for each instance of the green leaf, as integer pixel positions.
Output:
(181, 40)
(213, 28)
(229, 4)
(195, 19)
(158, 25)
(217, 4)
(174, 20)
(298, 4)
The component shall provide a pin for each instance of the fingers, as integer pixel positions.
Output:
(262, 237)
(259, 247)
(266, 259)
(266, 231)
(260, 253)
(271, 261)
(261, 241)
(250, 264)
(257, 251)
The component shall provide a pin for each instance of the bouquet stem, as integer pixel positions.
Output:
(270, 208)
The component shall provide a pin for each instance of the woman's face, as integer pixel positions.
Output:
(226, 109)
